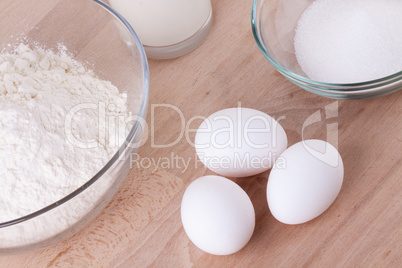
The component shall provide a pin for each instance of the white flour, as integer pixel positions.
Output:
(38, 166)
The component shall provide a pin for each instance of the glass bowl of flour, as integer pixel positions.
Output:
(343, 49)
(73, 98)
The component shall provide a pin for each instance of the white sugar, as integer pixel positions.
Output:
(350, 41)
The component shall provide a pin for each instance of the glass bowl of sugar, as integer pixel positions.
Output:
(73, 98)
(342, 49)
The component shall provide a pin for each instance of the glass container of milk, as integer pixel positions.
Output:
(167, 28)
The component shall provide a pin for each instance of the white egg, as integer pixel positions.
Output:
(217, 215)
(305, 181)
(239, 142)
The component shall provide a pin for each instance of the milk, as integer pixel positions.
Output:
(164, 22)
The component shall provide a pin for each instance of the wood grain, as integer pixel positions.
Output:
(141, 227)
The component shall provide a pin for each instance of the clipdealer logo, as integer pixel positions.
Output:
(113, 129)
(327, 154)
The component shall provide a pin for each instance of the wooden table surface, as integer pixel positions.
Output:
(141, 226)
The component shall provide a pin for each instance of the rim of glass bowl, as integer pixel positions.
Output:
(133, 131)
(330, 87)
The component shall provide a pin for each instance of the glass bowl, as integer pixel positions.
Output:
(274, 23)
(100, 38)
